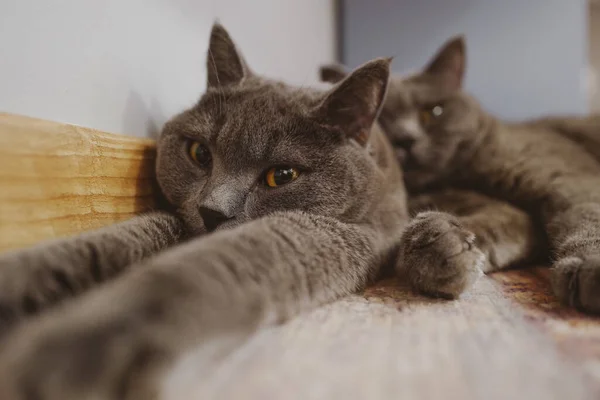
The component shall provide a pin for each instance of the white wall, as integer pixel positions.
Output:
(594, 48)
(525, 57)
(126, 66)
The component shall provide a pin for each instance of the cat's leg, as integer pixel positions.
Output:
(507, 235)
(583, 130)
(36, 278)
(112, 341)
(574, 234)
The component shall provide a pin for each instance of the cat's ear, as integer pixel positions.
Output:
(224, 64)
(332, 73)
(449, 62)
(353, 104)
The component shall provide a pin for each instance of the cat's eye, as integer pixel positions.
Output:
(200, 154)
(428, 114)
(278, 176)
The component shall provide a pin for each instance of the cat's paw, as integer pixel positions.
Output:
(439, 256)
(576, 282)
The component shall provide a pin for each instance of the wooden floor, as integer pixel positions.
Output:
(507, 339)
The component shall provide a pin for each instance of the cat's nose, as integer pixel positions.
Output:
(212, 218)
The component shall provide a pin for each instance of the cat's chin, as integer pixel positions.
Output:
(195, 226)
(418, 181)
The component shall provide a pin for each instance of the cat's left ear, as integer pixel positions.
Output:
(224, 64)
(332, 73)
(449, 62)
(352, 105)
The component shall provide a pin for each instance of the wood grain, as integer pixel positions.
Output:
(508, 338)
(59, 179)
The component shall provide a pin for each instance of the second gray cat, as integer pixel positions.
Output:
(548, 168)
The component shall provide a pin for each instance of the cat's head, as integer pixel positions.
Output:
(253, 146)
(427, 117)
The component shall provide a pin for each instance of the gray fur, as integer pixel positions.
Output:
(584, 130)
(49, 273)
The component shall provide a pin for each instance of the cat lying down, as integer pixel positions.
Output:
(548, 168)
(286, 198)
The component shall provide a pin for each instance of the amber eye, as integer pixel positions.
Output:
(428, 114)
(278, 176)
(200, 154)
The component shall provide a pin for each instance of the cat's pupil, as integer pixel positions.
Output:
(283, 175)
(278, 176)
(202, 155)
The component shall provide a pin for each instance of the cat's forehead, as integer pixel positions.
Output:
(268, 109)
(413, 90)
(258, 100)
(258, 122)
(400, 92)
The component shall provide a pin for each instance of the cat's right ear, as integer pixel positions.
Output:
(449, 62)
(352, 105)
(332, 73)
(224, 64)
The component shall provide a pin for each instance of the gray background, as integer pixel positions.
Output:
(524, 57)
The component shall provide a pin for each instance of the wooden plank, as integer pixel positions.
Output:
(59, 179)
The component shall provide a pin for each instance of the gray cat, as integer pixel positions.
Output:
(285, 199)
(445, 139)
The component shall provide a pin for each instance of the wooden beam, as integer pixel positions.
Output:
(58, 179)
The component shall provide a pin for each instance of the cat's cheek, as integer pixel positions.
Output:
(264, 201)
(429, 156)
(251, 212)
(256, 205)
(177, 182)
(183, 192)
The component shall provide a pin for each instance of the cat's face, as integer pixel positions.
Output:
(427, 117)
(251, 147)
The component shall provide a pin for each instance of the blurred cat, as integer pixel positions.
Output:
(547, 167)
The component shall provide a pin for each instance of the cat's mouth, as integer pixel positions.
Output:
(406, 159)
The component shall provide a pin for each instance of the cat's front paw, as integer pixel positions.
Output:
(439, 256)
(576, 282)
